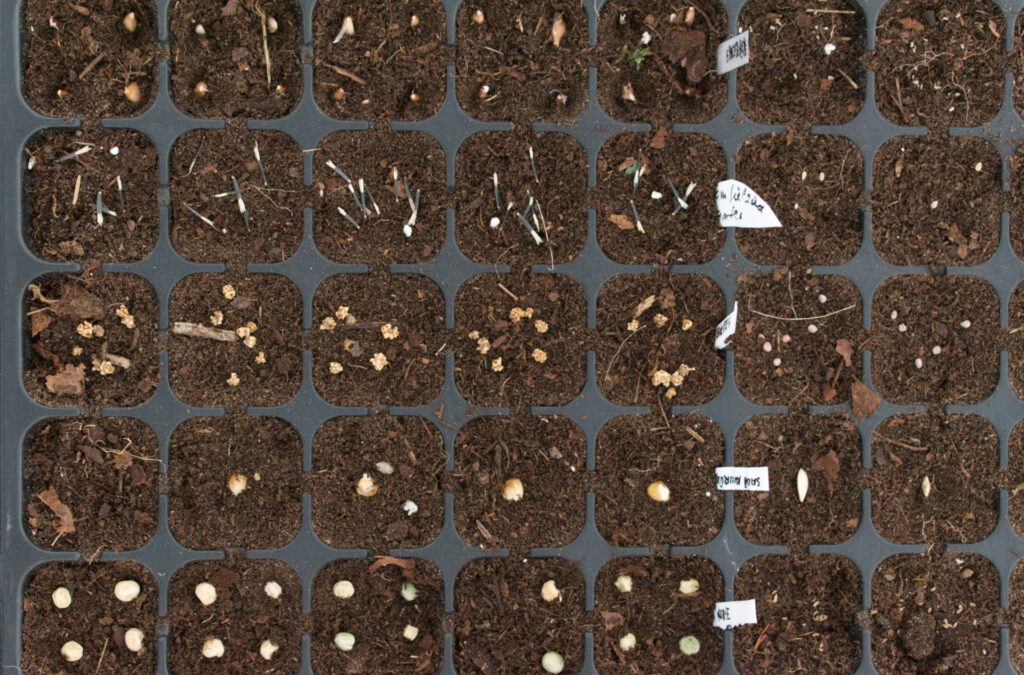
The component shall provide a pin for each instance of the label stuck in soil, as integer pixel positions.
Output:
(736, 613)
(739, 206)
(744, 478)
(726, 328)
(734, 52)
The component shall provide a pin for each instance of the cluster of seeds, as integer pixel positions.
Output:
(688, 588)
(367, 486)
(126, 590)
(516, 315)
(345, 589)
(213, 647)
(378, 361)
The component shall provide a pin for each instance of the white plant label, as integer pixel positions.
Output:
(736, 613)
(743, 478)
(734, 52)
(726, 328)
(739, 206)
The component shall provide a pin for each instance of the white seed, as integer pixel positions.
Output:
(206, 593)
(624, 583)
(130, 22)
(627, 93)
(478, 17)
(268, 649)
(133, 638)
(978, 167)
(512, 490)
(658, 491)
(72, 651)
(776, 362)
(344, 589)
(811, 328)
(894, 315)
(61, 598)
(689, 645)
(495, 221)
(627, 642)
(936, 350)
(127, 590)
(344, 641)
(645, 39)
(689, 586)
(414, 21)
(409, 591)
(552, 662)
(918, 363)
(385, 468)
(966, 323)
(213, 648)
(273, 590)
(822, 298)
(829, 48)
(366, 487)
(201, 89)
(411, 632)
(655, 195)
(802, 484)
(767, 346)
(786, 339)
(902, 328)
(271, 24)
(926, 487)
(934, 205)
(549, 591)
(237, 483)
(821, 176)
(410, 507)
(803, 175)
(200, 31)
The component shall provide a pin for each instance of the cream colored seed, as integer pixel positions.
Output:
(261, 358)
(213, 648)
(72, 651)
(478, 17)
(334, 367)
(483, 345)
(233, 380)
(539, 355)
(242, 331)
(133, 638)
(410, 632)
(689, 586)
(206, 593)
(496, 365)
(249, 342)
(366, 487)
(624, 583)
(229, 291)
(273, 590)
(541, 326)
(512, 490)
(658, 491)
(388, 331)
(344, 589)
(627, 642)
(127, 590)
(237, 483)
(633, 326)
(61, 598)
(328, 324)
(660, 320)
(687, 324)
(379, 361)
(802, 483)
(217, 318)
(549, 591)
(268, 649)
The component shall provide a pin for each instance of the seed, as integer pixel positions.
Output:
(366, 487)
(385, 468)
(512, 490)
(786, 339)
(72, 651)
(61, 94)
(279, 90)
(348, 27)
(557, 30)
(344, 589)
(483, 91)
(411, 632)
(200, 31)
(132, 92)
(229, 291)
(410, 507)
(926, 487)
(127, 590)
(541, 326)
(687, 324)
(379, 361)
(268, 649)
(414, 97)
(201, 89)
(624, 583)
(552, 662)
(338, 94)
(801, 485)
(549, 591)
(133, 639)
(934, 205)
(130, 22)
(388, 331)
(539, 355)
(966, 323)
(918, 363)
(936, 350)
(689, 586)
(61, 598)
(344, 641)
(821, 176)
(978, 167)
(658, 491)
(233, 380)
(689, 645)
(237, 483)
(271, 24)
(894, 315)
(627, 93)
(690, 16)
(776, 362)
(414, 21)
(627, 642)
(409, 592)
(213, 648)
(902, 328)
(273, 590)
(811, 328)
(767, 346)
(478, 17)
(822, 298)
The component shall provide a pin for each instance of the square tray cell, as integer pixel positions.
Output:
(503, 623)
(91, 339)
(104, 470)
(556, 179)
(400, 505)
(935, 339)
(808, 609)
(96, 619)
(670, 233)
(807, 348)
(205, 164)
(235, 482)
(374, 157)
(827, 448)
(261, 366)
(219, 58)
(657, 613)
(377, 340)
(656, 335)
(805, 63)
(656, 66)
(943, 66)
(936, 200)
(374, 610)
(521, 60)
(935, 613)
(119, 169)
(392, 66)
(85, 63)
(958, 454)
(814, 185)
(517, 339)
(633, 453)
(547, 455)
(244, 616)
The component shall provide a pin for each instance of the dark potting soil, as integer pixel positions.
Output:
(242, 617)
(377, 615)
(1016, 203)
(1015, 476)
(91, 484)
(671, 234)
(958, 454)
(96, 619)
(82, 65)
(828, 449)
(656, 339)
(266, 374)
(502, 622)
(393, 67)
(77, 340)
(385, 332)
(793, 75)
(202, 165)
(559, 187)
(939, 66)
(1014, 617)
(61, 220)
(658, 614)
(808, 610)
(517, 339)
(634, 451)
(813, 184)
(374, 156)
(508, 66)
(936, 200)
(547, 454)
(808, 350)
(230, 60)
(935, 614)
(207, 454)
(405, 458)
(646, 50)
(934, 309)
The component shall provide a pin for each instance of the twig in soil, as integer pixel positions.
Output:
(622, 344)
(119, 361)
(637, 170)
(259, 163)
(544, 222)
(120, 194)
(347, 73)
(241, 202)
(848, 79)
(497, 195)
(263, 26)
(201, 331)
(203, 218)
(191, 166)
(533, 166)
(803, 318)
(78, 187)
(810, 10)
(91, 65)
(72, 155)
(636, 217)
(508, 292)
(348, 217)
(103, 653)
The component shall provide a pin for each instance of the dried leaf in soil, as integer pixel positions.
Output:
(78, 304)
(620, 221)
(685, 48)
(66, 524)
(69, 381)
(612, 619)
(865, 401)
(40, 320)
(829, 465)
(845, 349)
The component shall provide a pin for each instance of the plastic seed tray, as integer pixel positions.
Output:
(163, 123)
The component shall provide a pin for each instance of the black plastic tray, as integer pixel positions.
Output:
(163, 123)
